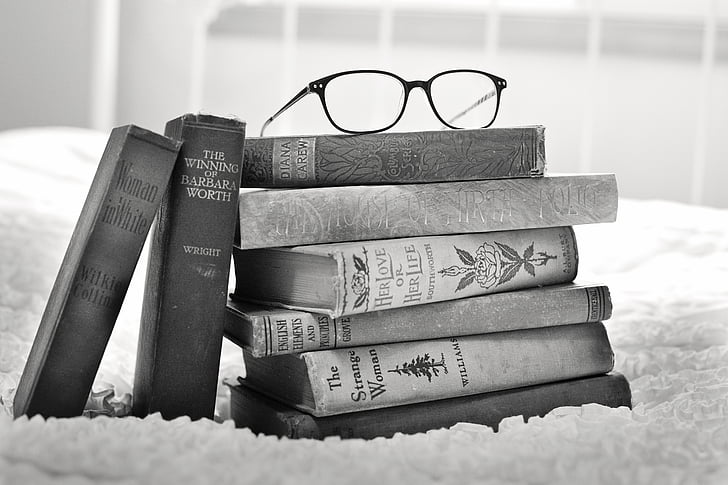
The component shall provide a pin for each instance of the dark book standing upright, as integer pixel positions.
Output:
(95, 273)
(181, 330)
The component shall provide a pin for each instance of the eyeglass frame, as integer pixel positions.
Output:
(319, 86)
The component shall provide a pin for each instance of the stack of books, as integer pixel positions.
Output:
(401, 282)
(392, 282)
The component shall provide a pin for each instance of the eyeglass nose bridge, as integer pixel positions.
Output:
(410, 85)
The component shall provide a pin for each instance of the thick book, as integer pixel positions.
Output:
(180, 337)
(358, 277)
(263, 415)
(95, 273)
(295, 217)
(394, 158)
(265, 330)
(337, 381)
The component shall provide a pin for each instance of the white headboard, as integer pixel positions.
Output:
(631, 87)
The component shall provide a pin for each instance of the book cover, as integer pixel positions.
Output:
(265, 331)
(95, 273)
(394, 158)
(186, 288)
(337, 381)
(358, 277)
(263, 415)
(295, 217)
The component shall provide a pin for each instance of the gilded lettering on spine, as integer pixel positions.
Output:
(127, 204)
(209, 176)
(292, 160)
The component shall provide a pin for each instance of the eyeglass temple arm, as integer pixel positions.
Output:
(303, 92)
(477, 102)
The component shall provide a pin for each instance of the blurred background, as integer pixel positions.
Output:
(634, 87)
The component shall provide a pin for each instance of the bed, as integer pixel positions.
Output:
(667, 267)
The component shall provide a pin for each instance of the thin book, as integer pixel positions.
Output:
(265, 330)
(394, 157)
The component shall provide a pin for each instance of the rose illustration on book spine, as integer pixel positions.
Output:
(360, 281)
(421, 366)
(494, 264)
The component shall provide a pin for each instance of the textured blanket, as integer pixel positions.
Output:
(665, 263)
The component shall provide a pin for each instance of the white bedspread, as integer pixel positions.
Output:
(667, 268)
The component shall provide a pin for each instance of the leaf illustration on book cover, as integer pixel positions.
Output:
(351, 160)
(465, 281)
(421, 366)
(494, 264)
(465, 257)
(360, 281)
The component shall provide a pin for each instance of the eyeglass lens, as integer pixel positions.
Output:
(464, 99)
(373, 101)
(364, 101)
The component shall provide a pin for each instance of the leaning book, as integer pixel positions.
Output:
(253, 410)
(95, 273)
(180, 337)
(329, 382)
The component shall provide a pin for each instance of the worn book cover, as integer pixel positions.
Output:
(358, 277)
(394, 158)
(337, 381)
(95, 273)
(187, 277)
(253, 410)
(294, 217)
(266, 330)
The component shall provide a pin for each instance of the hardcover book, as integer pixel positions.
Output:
(265, 331)
(295, 217)
(251, 409)
(394, 158)
(180, 338)
(95, 273)
(328, 382)
(358, 277)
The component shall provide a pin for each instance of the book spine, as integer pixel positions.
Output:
(391, 158)
(274, 218)
(95, 273)
(348, 380)
(263, 415)
(279, 331)
(187, 277)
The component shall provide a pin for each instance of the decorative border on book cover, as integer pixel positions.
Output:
(597, 298)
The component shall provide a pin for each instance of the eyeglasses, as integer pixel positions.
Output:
(460, 98)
